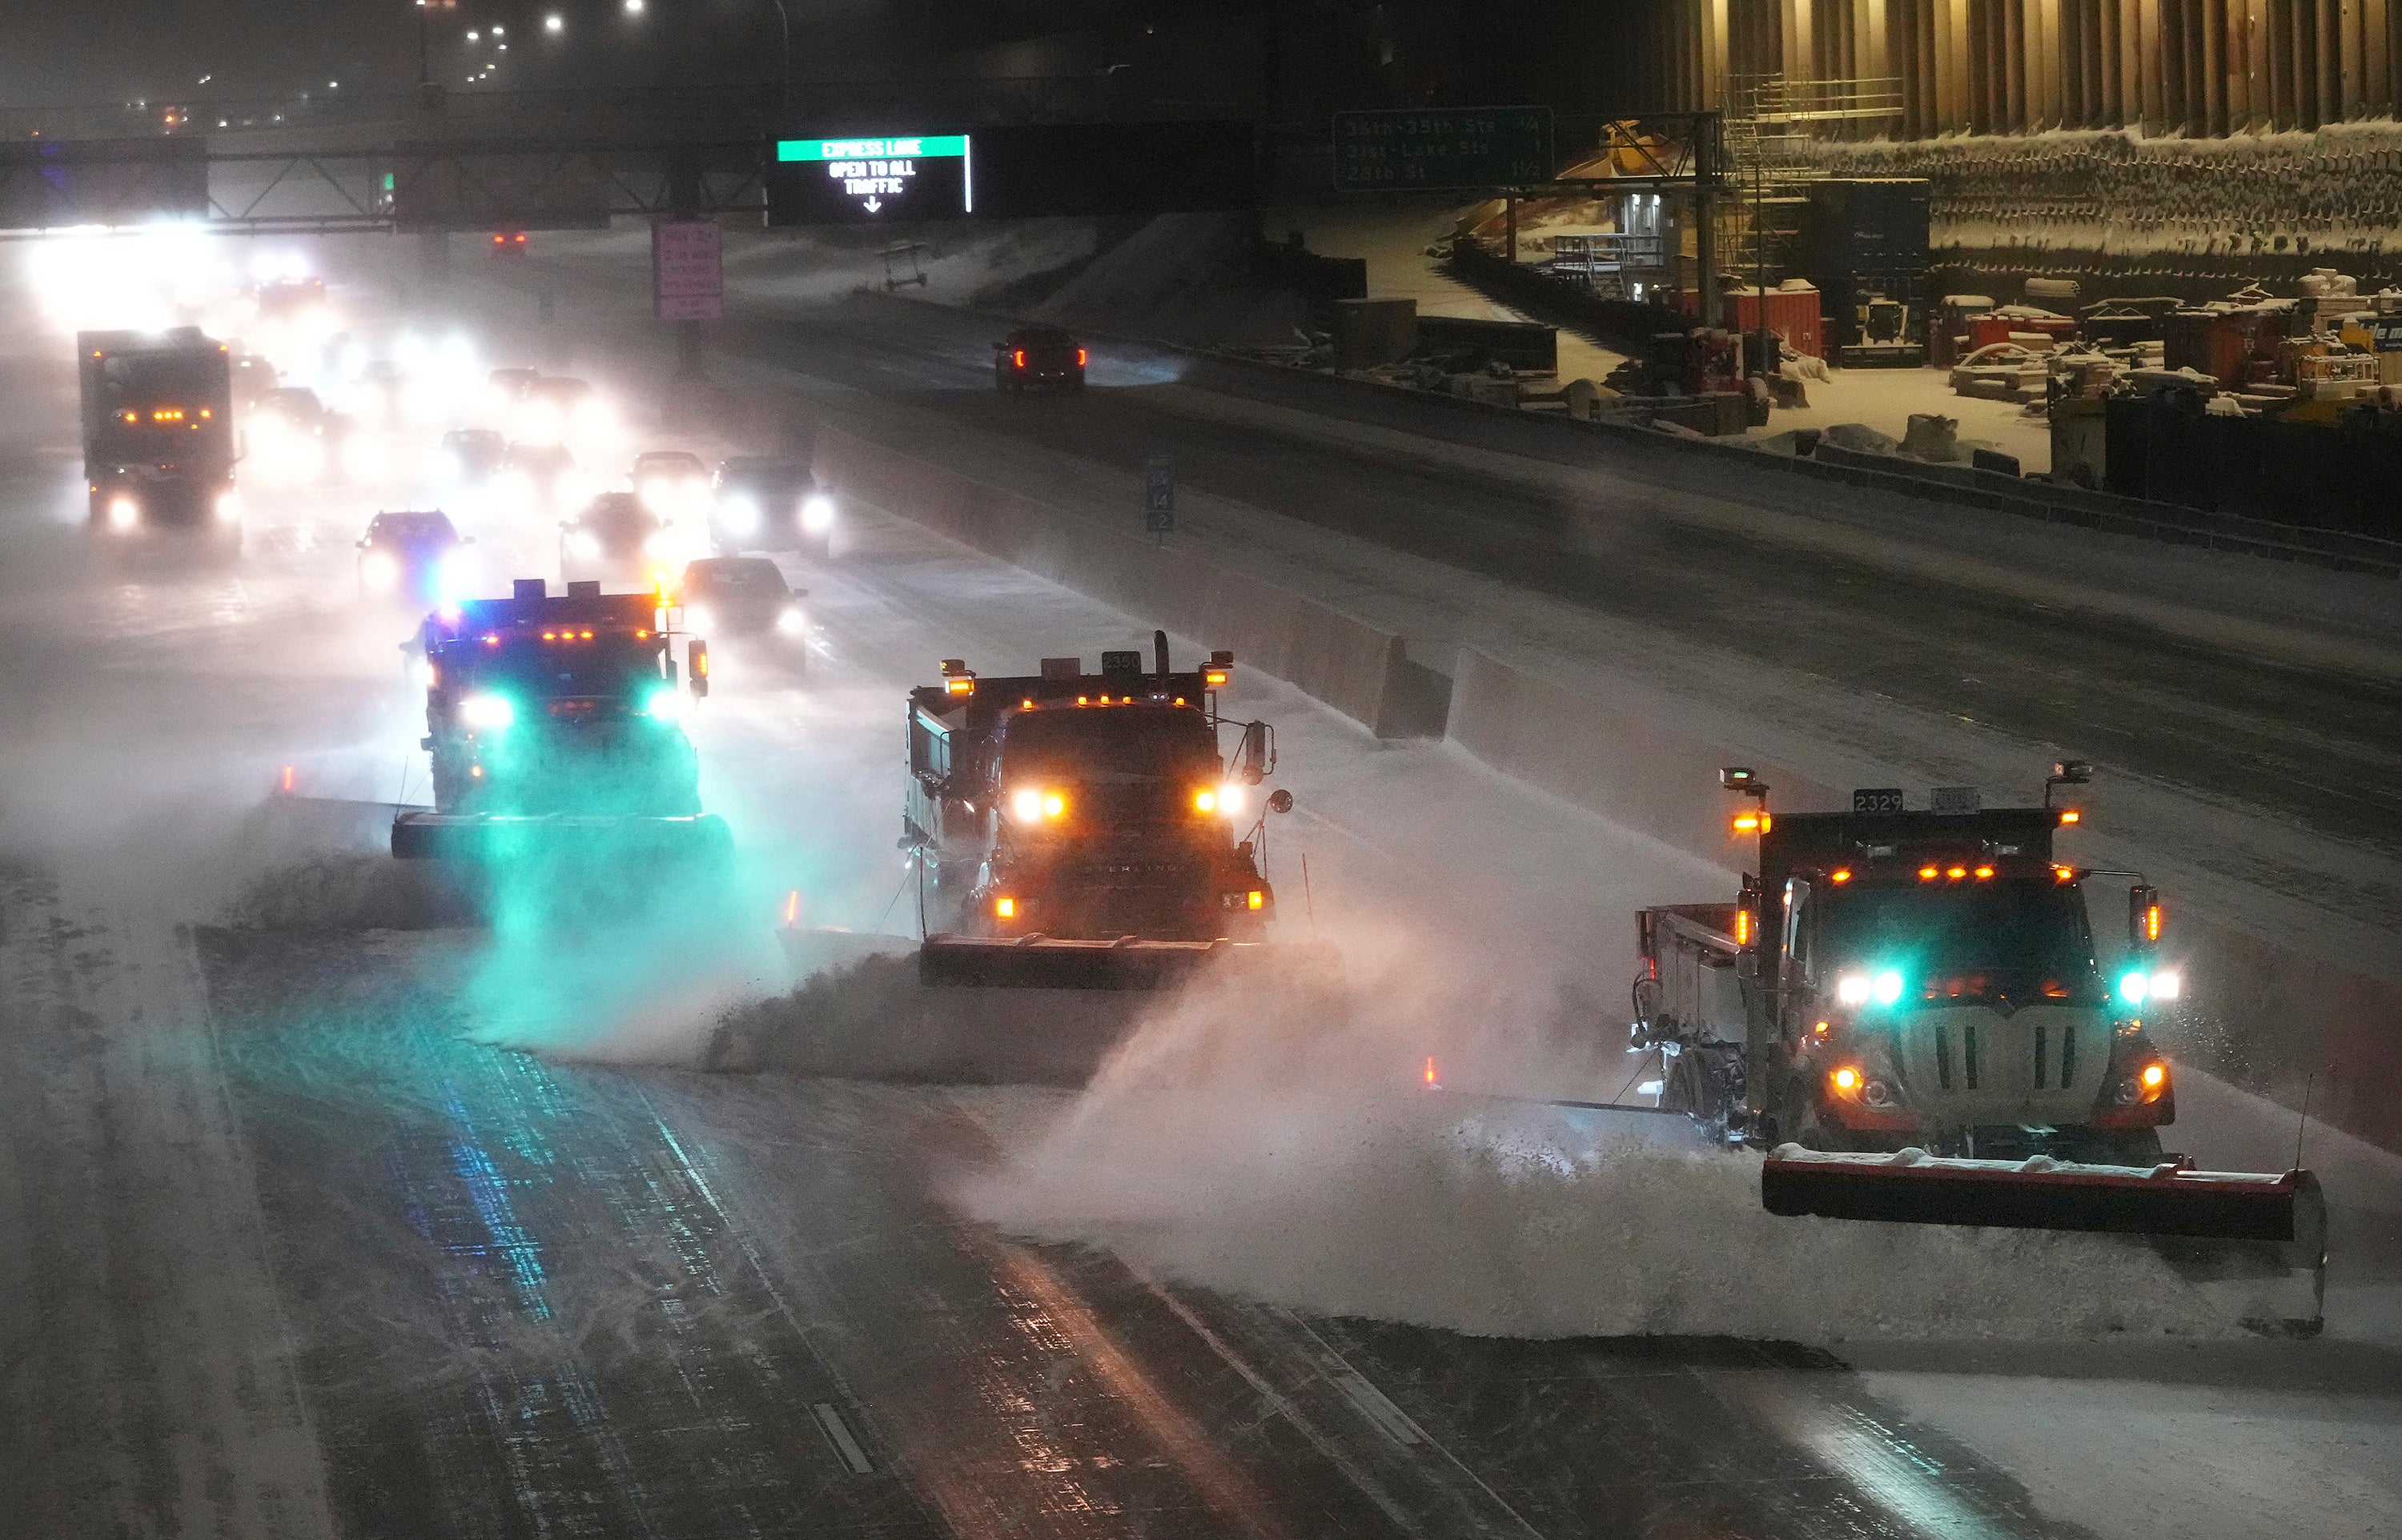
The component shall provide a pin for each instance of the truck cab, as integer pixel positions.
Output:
(1910, 979)
(536, 705)
(1090, 806)
(158, 430)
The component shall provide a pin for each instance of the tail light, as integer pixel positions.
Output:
(1080, 358)
(1018, 358)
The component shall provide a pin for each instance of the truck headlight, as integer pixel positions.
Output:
(378, 570)
(739, 516)
(1032, 805)
(489, 713)
(123, 513)
(581, 543)
(228, 507)
(1853, 989)
(793, 622)
(2165, 986)
(817, 513)
(1885, 987)
(2133, 986)
(666, 704)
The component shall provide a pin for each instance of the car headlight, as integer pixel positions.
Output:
(652, 493)
(793, 622)
(123, 513)
(489, 713)
(664, 704)
(739, 516)
(817, 513)
(378, 570)
(581, 543)
(698, 618)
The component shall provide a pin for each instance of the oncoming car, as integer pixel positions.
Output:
(539, 476)
(616, 537)
(770, 503)
(672, 483)
(472, 456)
(411, 555)
(739, 597)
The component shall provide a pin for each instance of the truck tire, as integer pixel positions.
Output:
(1691, 1090)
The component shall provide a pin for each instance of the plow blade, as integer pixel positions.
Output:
(2253, 1241)
(1044, 962)
(491, 839)
(2047, 1195)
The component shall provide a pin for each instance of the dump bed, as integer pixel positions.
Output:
(1688, 952)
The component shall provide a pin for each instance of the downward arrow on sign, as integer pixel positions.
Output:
(874, 203)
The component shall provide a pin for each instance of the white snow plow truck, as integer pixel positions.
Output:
(1905, 1010)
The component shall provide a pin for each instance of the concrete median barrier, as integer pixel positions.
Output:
(1358, 669)
(1632, 766)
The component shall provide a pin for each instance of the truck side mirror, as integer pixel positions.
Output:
(2144, 916)
(696, 663)
(1256, 757)
(1281, 800)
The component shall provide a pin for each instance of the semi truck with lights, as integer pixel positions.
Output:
(159, 445)
(556, 730)
(1907, 1009)
(1077, 830)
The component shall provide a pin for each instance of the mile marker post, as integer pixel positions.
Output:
(1159, 499)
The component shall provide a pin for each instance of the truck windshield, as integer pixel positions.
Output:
(1110, 743)
(2037, 928)
(140, 380)
(606, 667)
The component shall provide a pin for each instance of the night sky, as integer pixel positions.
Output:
(94, 51)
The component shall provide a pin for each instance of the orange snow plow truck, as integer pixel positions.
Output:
(1903, 1007)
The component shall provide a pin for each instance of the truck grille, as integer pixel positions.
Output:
(2021, 1066)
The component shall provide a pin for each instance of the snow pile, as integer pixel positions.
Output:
(1292, 1162)
(1183, 277)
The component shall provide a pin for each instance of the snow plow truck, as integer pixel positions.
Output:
(1904, 1008)
(556, 730)
(1078, 831)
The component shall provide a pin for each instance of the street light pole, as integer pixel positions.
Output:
(785, 78)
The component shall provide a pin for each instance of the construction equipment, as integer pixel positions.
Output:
(556, 730)
(158, 430)
(1079, 831)
(1905, 1009)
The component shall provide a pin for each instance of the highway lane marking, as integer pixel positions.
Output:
(1371, 1403)
(838, 1434)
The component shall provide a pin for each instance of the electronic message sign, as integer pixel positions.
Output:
(873, 180)
(1018, 170)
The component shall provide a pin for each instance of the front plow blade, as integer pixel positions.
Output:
(492, 840)
(2257, 1241)
(1044, 962)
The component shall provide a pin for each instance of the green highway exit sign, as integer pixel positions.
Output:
(1451, 148)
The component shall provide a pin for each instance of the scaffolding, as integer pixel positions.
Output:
(1774, 124)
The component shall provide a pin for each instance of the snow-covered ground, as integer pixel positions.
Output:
(1290, 1161)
